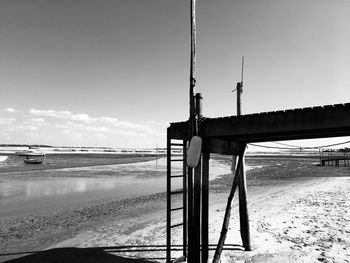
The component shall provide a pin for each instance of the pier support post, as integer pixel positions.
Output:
(205, 207)
(238, 178)
(190, 212)
(197, 213)
(243, 207)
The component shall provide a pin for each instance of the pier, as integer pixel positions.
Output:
(199, 137)
(229, 136)
(330, 158)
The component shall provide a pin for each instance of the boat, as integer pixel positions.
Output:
(34, 159)
(32, 151)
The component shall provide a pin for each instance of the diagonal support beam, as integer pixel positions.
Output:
(226, 222)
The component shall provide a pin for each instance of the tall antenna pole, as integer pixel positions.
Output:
(242, 70)
(239, 181)
(192, 131)
(193, 66)
(240, 90)
(242, 184)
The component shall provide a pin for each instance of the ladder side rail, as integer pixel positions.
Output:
(168, 215)
(184, 168)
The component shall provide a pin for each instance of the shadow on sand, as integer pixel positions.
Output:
(75, 255)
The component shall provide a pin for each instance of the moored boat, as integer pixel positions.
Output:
(34, 159)
(30, 152)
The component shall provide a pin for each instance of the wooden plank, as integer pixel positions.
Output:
(296, 124)
(221, 146)
(307, 123)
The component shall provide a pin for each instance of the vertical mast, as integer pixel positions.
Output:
(242, 70)
(240, 91)
(192, 131)
(193, 66)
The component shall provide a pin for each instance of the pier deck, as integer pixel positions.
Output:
(222, 134)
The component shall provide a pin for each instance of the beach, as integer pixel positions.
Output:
(298, 213)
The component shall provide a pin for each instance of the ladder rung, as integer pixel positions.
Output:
(176, 144)
(176, 160)
(176, 192)
(176, 225)
(174, 176)
(175, 209)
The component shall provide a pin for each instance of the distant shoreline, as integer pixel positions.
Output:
(81, 160)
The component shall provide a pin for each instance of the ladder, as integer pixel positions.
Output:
(171, 193)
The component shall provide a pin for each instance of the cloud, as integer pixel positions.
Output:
(7, 121)
(9, 110)
(67, 115)
(67, 128)
(108, 119)
(82, 127)
(70, 133)
(38, 122)
(50, 113)
(95, 124)
(100, 135)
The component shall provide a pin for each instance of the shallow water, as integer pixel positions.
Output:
(2, 160)
(33, 191)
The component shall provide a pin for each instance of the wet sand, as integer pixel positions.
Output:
(69, 160)
(289, 223)
(290, 203)
(51, 187)
(295, 217)
(42, 207)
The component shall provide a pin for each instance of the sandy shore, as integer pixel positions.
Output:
(298, 212)
(303, 221)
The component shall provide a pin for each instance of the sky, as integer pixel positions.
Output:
(116, 72)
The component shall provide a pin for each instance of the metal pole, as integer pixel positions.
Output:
(239, 88)
(239, 93)
(193, 60)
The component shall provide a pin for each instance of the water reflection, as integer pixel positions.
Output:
(95, 182)
(58, 186)
(3, 158)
